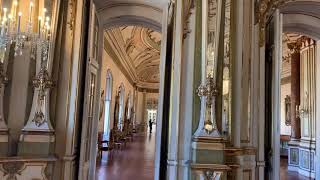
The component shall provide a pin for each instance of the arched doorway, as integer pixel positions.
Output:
(108, 99)
(296, 18)
(114, 16)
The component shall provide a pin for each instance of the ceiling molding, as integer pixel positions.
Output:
(148, 90)
(110, 4)
(117, 13)
(136, 55)
(108, 48)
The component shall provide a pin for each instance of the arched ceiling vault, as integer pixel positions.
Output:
(137, 49)
(159, 4)
(115, 13)
(302, 17)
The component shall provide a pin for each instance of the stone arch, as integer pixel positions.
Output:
(302, 17)
(130, 14)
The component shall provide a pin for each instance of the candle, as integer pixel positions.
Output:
(48, 32)
(4, 14)
(2, 28)
(4, 20)
(39, 25)
(44, 15)
(19, 20)
(30, 12)
(47, 19)
(9, 22)
(14, 9)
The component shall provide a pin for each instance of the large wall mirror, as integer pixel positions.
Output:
(215, 88)
(27, 33)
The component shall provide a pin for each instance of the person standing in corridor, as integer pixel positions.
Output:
(150, 126)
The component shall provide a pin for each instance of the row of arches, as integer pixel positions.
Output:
(122, 108)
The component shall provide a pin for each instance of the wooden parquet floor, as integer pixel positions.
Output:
(134, 162)
(289, 175)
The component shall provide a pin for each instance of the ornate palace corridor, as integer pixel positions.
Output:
(135, 161)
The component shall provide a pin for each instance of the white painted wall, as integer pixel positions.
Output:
(139, 110)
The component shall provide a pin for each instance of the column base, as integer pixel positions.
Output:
(34, 143)
(4, 143)
(208, 150)
(208, 158)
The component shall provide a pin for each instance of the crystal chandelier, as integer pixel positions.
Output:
(17, 29)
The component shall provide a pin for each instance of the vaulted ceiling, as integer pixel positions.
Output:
(154, 3)
(137, 51)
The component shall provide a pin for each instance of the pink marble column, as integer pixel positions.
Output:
(295, 90)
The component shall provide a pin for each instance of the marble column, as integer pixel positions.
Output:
(143, 108)
(295, 90)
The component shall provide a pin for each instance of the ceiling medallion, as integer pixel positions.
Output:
(264, 10)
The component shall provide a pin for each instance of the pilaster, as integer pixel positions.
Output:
(4, 131)
(37, 137)
(175, 100)
(295, 89)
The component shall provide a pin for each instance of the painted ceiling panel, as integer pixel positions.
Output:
(154, 3)
(140, 49)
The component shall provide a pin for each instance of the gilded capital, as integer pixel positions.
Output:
(264, 10)
(294, 46)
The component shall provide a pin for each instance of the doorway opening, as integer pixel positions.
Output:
(291, 110)
(129, 42)
(132, 54)
(297, 85)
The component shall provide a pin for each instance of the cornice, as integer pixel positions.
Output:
(108, 5)
(147, 90)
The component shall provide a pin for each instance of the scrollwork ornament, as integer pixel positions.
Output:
(3, 76)
(209, 92)
(208, 89)
(72, 4)
(211, 175)
(43, 82)
(12, 169)
(264, 12)
(39, 118)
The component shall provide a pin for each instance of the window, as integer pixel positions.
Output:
(108, 102)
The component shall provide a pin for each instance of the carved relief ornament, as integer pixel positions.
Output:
(12, 169)
(189, 11)
(264, 10)
(72, 15)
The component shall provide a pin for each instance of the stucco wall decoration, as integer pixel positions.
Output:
(138, 50)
